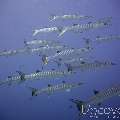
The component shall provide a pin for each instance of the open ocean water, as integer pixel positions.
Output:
(18, 19)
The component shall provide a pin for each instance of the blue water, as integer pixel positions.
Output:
(17, 20)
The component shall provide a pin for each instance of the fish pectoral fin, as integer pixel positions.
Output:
(75, 24)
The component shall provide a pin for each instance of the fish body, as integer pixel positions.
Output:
(84, 27)
(42, 43)
(69, 17)
(39, 50)
(12, 52)
(107, 38)
(45, 30)
(82, 66)
(51, 89)
(98, 98)
(36, 76)
(64, 54)
(70, 61)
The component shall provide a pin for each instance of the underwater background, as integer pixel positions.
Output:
(17, 20)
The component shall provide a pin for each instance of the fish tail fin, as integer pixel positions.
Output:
(2, 83)
(33, 90)
(45, 59)
(61, 31)
(69, 67)
(79, 104)
(106, 21)
(88, 43)
(52, 17)
(35, 32)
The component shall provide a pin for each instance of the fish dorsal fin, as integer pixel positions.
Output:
(53, 69)
(58, 51)
(63, 82)
(19, 72)
(80, 83)
(25, 42)
(89, 22)
(9, 76)
(98, 36)
(99, 104)
(37, 71)
(83, 62)
(69, 68)
(49, 85)
(22, 75)
(60, 59)
(96, 92)
(75, 24)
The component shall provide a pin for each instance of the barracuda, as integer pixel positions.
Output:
(82, 66)
(13, 52)
(69, 61)
(84, 27)
(39, 50)
(51, 89)
(42, 43)
(67, 17)
(107, 38)
(97, 98)
(35, 76)
(66, 53)
(46, 30)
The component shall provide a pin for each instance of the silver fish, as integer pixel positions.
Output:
(12, 52)
(51, 89)
(107, 38)
(64, 54)
(39, 50)
(35, 76)
(84, 27)
(97, 98)
(46, 30)
(69, 61)
(67, 17)
(82, 66)
(42, 43)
